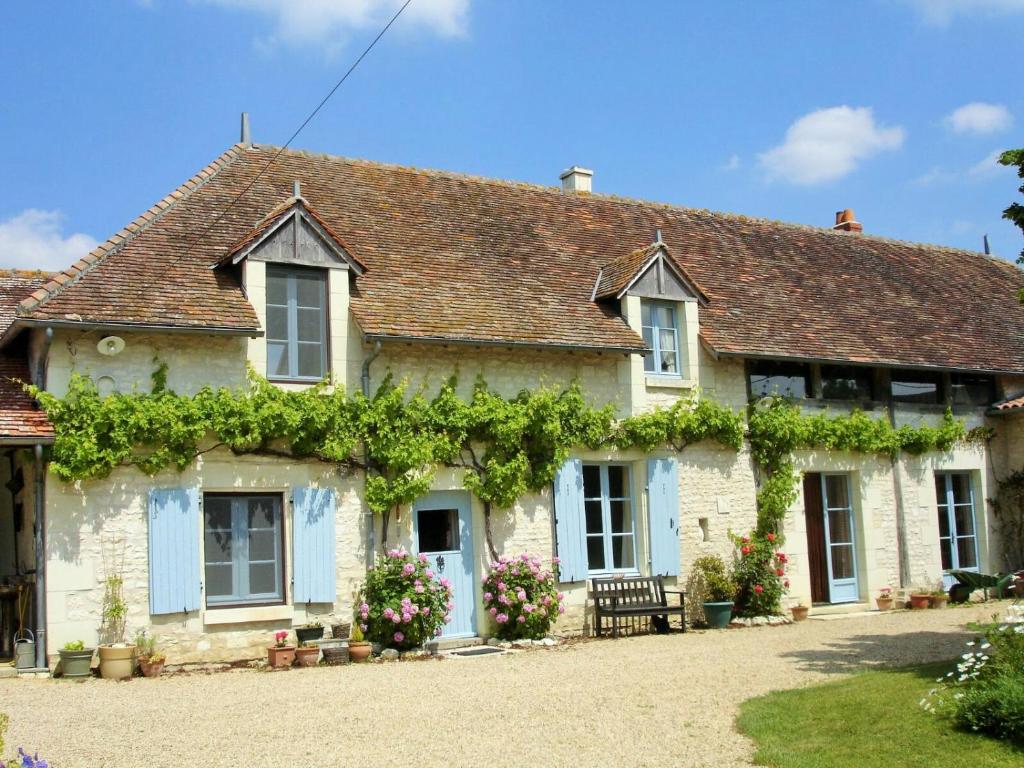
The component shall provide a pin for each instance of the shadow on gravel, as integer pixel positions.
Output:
(861, 652)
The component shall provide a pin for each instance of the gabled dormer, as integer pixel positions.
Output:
(660, 301)
(296, 272)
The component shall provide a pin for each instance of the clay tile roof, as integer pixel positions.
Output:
(616, 276)
(459, 258)
(1014, 403)
(20, 418)
(15, 285)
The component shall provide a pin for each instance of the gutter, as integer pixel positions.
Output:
(40, 544)
(371, 533)
(638, 350)
(213, 330)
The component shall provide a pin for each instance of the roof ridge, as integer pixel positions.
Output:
(824, 230)
(59, 281)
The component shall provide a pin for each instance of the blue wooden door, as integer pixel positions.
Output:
(840, 541)
(443, 531)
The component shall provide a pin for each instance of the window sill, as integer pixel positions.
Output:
(247, 614)
(667, 382)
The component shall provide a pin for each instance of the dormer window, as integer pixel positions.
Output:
(296, 323)
(661, 335)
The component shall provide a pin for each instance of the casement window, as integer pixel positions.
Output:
(785, 379)
(296, 323)
(972, 389)
(661, 335)
(244, 559)
(846, 382)
(916, 387)
(958, 538)
(610, 520)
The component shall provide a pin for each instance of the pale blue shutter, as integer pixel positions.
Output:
(663, 506)
(173, 550)
(570, 527)
(313, 546)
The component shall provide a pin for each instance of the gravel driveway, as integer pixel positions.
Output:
(651, 700)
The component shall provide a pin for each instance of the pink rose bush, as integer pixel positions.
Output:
(521, 596)
(401, 605)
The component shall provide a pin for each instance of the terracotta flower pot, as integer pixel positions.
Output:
(799, 612)
(281, 655)
(117, 662)
(939, 601)
(884, 603)
(307, 657)
(151, 668)
(920, 601)
(358, 652)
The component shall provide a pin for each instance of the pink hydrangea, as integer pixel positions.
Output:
(408, 569)
(388, 613)
(561, 609)
(488, 597)
(521, 619)
(425, 610)
(501, 618)
(423, 558)
(406, 617)
(444, 582)
(419, 589)
(396, 618)
(493, 611)
(399, 637)
(428, 573)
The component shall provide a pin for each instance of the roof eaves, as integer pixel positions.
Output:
(408, 338)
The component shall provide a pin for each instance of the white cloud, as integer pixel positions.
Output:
(732, 164)
(934, 176)
(940, 13)
(328, 23)
(827, 144)
(979, 117)
(988, 166)
(32, 239)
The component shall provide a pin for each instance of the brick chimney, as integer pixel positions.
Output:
(845, 221)
(576, 179)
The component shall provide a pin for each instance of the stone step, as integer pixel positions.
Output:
(449, 643)
(839, 609)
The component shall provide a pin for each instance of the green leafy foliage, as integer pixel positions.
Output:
(712, 580)
(1015, 211)
(760, 574)
(402, 605)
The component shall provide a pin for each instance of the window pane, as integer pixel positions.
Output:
(309, 289)
(842, 562)
(263, 579)
(595, 553)
(944, 521)
(438, 530)
(965, 552)
(591, 481)
(622, 552)
(964, 519)
(277, 323)
(839, 530)
(783, 379)
(940, 488)
(311, 361)
(972, 389)
(645, 313)
(262, 545)
(665, 317)
(668, 363)
(277, 359)
(617, 483)
(836, 494)
(622, 517)
(916, 388)
(945, 547)
(649, 343)
(310, 325)
(595, 522)
(218, 580)
(262, 512)
(846, 382)
(961, 489)
(218, 512)
(218, 546)
(277, 288)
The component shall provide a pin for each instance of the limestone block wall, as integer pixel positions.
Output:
(100, 527)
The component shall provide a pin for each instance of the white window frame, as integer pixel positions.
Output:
(950, 510)
(240, 561)
(606, 518)
(654, 358)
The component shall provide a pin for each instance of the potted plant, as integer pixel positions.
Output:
(335, 654)
(307, 655)
(939, 598)
(718, 589)
(799, 612)
(76, 659)
(312, 630)
(920, 598)
(151, 661)
(117, 658)
(281, 653)
(884, 599)
(358, 649)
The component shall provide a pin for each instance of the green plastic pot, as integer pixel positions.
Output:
(718, 614)
(76, 663)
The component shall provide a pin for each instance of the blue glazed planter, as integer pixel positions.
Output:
(718, 614)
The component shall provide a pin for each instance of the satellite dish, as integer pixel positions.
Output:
(110, 345)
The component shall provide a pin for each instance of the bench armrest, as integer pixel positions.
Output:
(680, 592)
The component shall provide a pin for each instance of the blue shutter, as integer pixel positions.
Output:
(313, 546)
(570, 530)
(173, 550)
(663, 506)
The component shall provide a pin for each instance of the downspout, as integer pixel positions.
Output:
(371, 534)
(40, 541)
(902, 550)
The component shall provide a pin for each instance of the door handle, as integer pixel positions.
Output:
(440, 563)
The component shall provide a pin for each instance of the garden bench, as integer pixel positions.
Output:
(629, 597)
(968, 581)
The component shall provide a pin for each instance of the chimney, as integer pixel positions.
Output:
(846, 222)
(245, 129)
(576, 179)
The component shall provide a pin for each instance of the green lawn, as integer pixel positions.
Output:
(871, 719)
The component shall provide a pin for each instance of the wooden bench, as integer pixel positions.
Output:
(630, 597)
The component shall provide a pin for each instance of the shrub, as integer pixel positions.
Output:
(714, 582)
(985, 693)
(402, 605)
(760, 574)
(522, 597)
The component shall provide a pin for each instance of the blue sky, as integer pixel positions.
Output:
(788, 110)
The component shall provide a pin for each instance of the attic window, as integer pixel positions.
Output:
(661, 335)
(296, 323)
